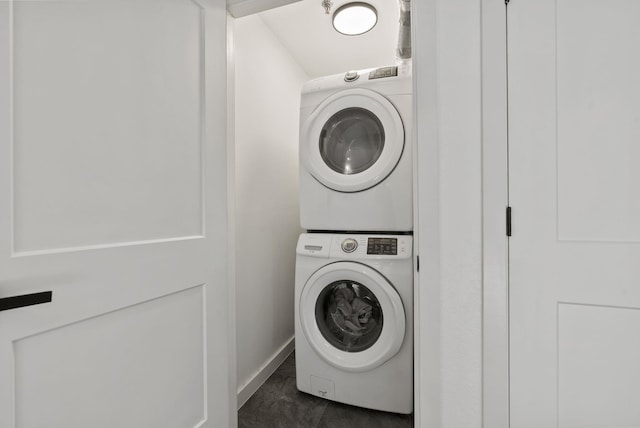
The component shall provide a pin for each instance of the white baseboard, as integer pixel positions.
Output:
(246, 390)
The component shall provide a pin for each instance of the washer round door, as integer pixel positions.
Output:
(352, 316)
(352, 140)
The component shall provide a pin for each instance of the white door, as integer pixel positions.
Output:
(574, 153)
(112, 198)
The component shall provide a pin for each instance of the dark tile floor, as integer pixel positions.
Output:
(279, 404)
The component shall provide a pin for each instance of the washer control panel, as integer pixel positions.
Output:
(355, 246)
(382, 246)
(362, 246)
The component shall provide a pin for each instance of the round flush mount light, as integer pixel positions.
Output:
(355, 18)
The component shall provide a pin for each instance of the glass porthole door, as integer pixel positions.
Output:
(352, 316)
(352, 141)
(349, 316)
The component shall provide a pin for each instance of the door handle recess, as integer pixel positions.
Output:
(14, 302)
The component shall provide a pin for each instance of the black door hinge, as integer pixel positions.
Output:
(508, 221)
(418, 263)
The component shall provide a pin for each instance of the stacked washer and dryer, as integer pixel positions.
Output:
(354, 266)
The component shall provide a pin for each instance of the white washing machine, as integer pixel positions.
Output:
(355, 151)
(354, 318)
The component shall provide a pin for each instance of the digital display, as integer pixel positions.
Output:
(379, 73)
(382, 246)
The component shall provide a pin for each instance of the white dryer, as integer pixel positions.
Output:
(353, 319)
(355, 151)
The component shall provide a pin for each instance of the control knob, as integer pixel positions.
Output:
(351, 76)
(349, 245)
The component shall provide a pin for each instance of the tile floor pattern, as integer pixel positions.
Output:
(279, 404)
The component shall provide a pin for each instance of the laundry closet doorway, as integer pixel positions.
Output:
(274, 50)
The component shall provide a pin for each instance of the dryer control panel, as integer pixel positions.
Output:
(382, 72)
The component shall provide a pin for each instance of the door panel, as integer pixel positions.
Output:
(598, 354)
(574, 273)
(97, 84)
(113, 197)
(598, 120)
(117, 343)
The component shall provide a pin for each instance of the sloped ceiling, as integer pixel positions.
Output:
(240, 8)
(306, 31)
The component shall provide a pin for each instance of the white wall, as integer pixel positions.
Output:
(449, 139)
(267, 101)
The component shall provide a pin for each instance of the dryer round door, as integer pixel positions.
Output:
(352, 316)
(352, 140)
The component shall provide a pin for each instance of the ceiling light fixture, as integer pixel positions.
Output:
(355, 18)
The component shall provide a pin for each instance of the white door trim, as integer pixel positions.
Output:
(220, 361)
(231, 229)
(429, 330)
(428, 387)
(495, 305)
